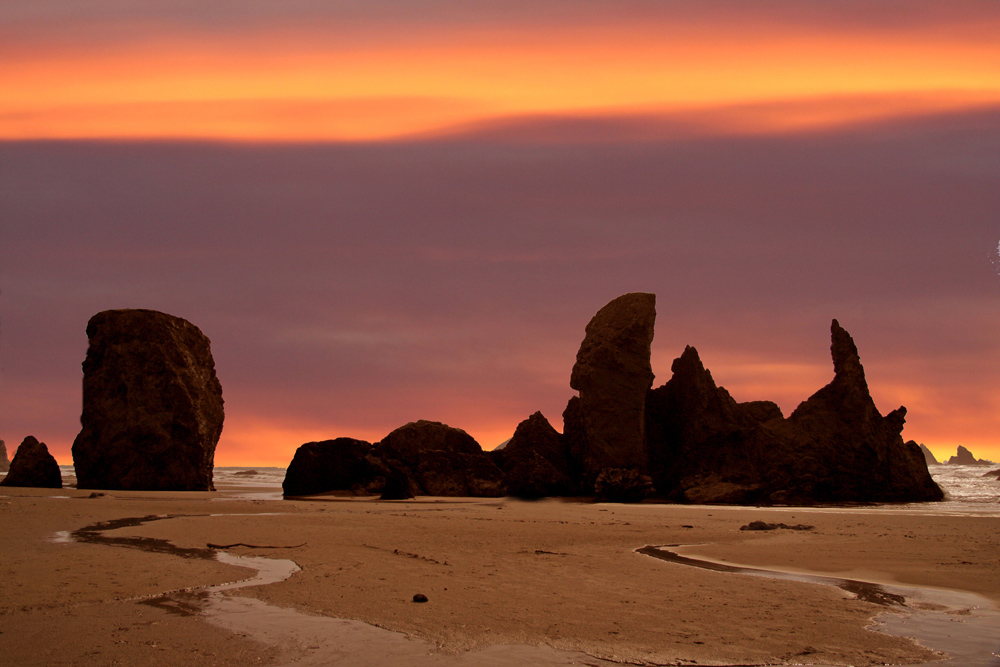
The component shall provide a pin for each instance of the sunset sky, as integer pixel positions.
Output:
(382, 211)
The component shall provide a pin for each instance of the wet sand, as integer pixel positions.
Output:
(495, 572)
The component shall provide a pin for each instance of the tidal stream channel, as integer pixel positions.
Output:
(963, 626)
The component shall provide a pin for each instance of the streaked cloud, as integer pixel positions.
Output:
(346, 72)
(410, 210)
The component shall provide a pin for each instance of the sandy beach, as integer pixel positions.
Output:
(496, 572)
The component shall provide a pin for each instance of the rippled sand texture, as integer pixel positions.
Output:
(559, 575)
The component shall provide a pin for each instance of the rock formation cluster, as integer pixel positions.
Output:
(419, 458)
(152, 404)
(33, 466)
(624, 441)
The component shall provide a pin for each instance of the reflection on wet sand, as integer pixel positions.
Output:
(963, 626)
(306, 640)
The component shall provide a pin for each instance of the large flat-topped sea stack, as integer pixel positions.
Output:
(613, 374)
(33, 466)
(152, 404)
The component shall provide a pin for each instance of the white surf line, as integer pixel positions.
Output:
(963, 626)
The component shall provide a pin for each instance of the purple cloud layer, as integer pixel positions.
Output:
(362, 286)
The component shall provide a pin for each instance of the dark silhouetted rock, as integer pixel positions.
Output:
(763, 525)
(343, 464)
(995, 474)
(4, 461)
(622, 485)
(928, 454)
(398, 486)
(697, 433)
(152, 404)
(534, 461)
(613, 375)
(420, 597)
(835, 447)
(443, 461)
(33, 466)
(963, 457)
(855, 454)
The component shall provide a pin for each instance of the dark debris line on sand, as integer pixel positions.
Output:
(763, 525)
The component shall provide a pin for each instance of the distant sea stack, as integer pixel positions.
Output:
(605, 426)
(152, 405)
(963, 457)
(4, 461)
(928, 455)
(33, 466)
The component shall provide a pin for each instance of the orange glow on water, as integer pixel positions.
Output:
(301, 87)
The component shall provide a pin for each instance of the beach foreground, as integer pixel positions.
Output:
(496, 572)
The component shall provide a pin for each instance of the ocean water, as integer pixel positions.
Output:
(249, 477)
(968, 489)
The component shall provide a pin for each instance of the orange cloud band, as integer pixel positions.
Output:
(301, 87)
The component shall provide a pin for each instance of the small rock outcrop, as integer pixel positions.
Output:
(33, 466)
(4, 461)
(534, 461)
(441, 460)
(344, 464)
(963, 457)
(420, 458)
(928, 454)
(152, 405)
(612, 374)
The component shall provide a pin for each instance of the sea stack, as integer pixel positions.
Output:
(33, 466)
(152, 404)
(4, 461)
(863, 454)
(964, 457)
(835, 447)
(928, 455)
(605, 425)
